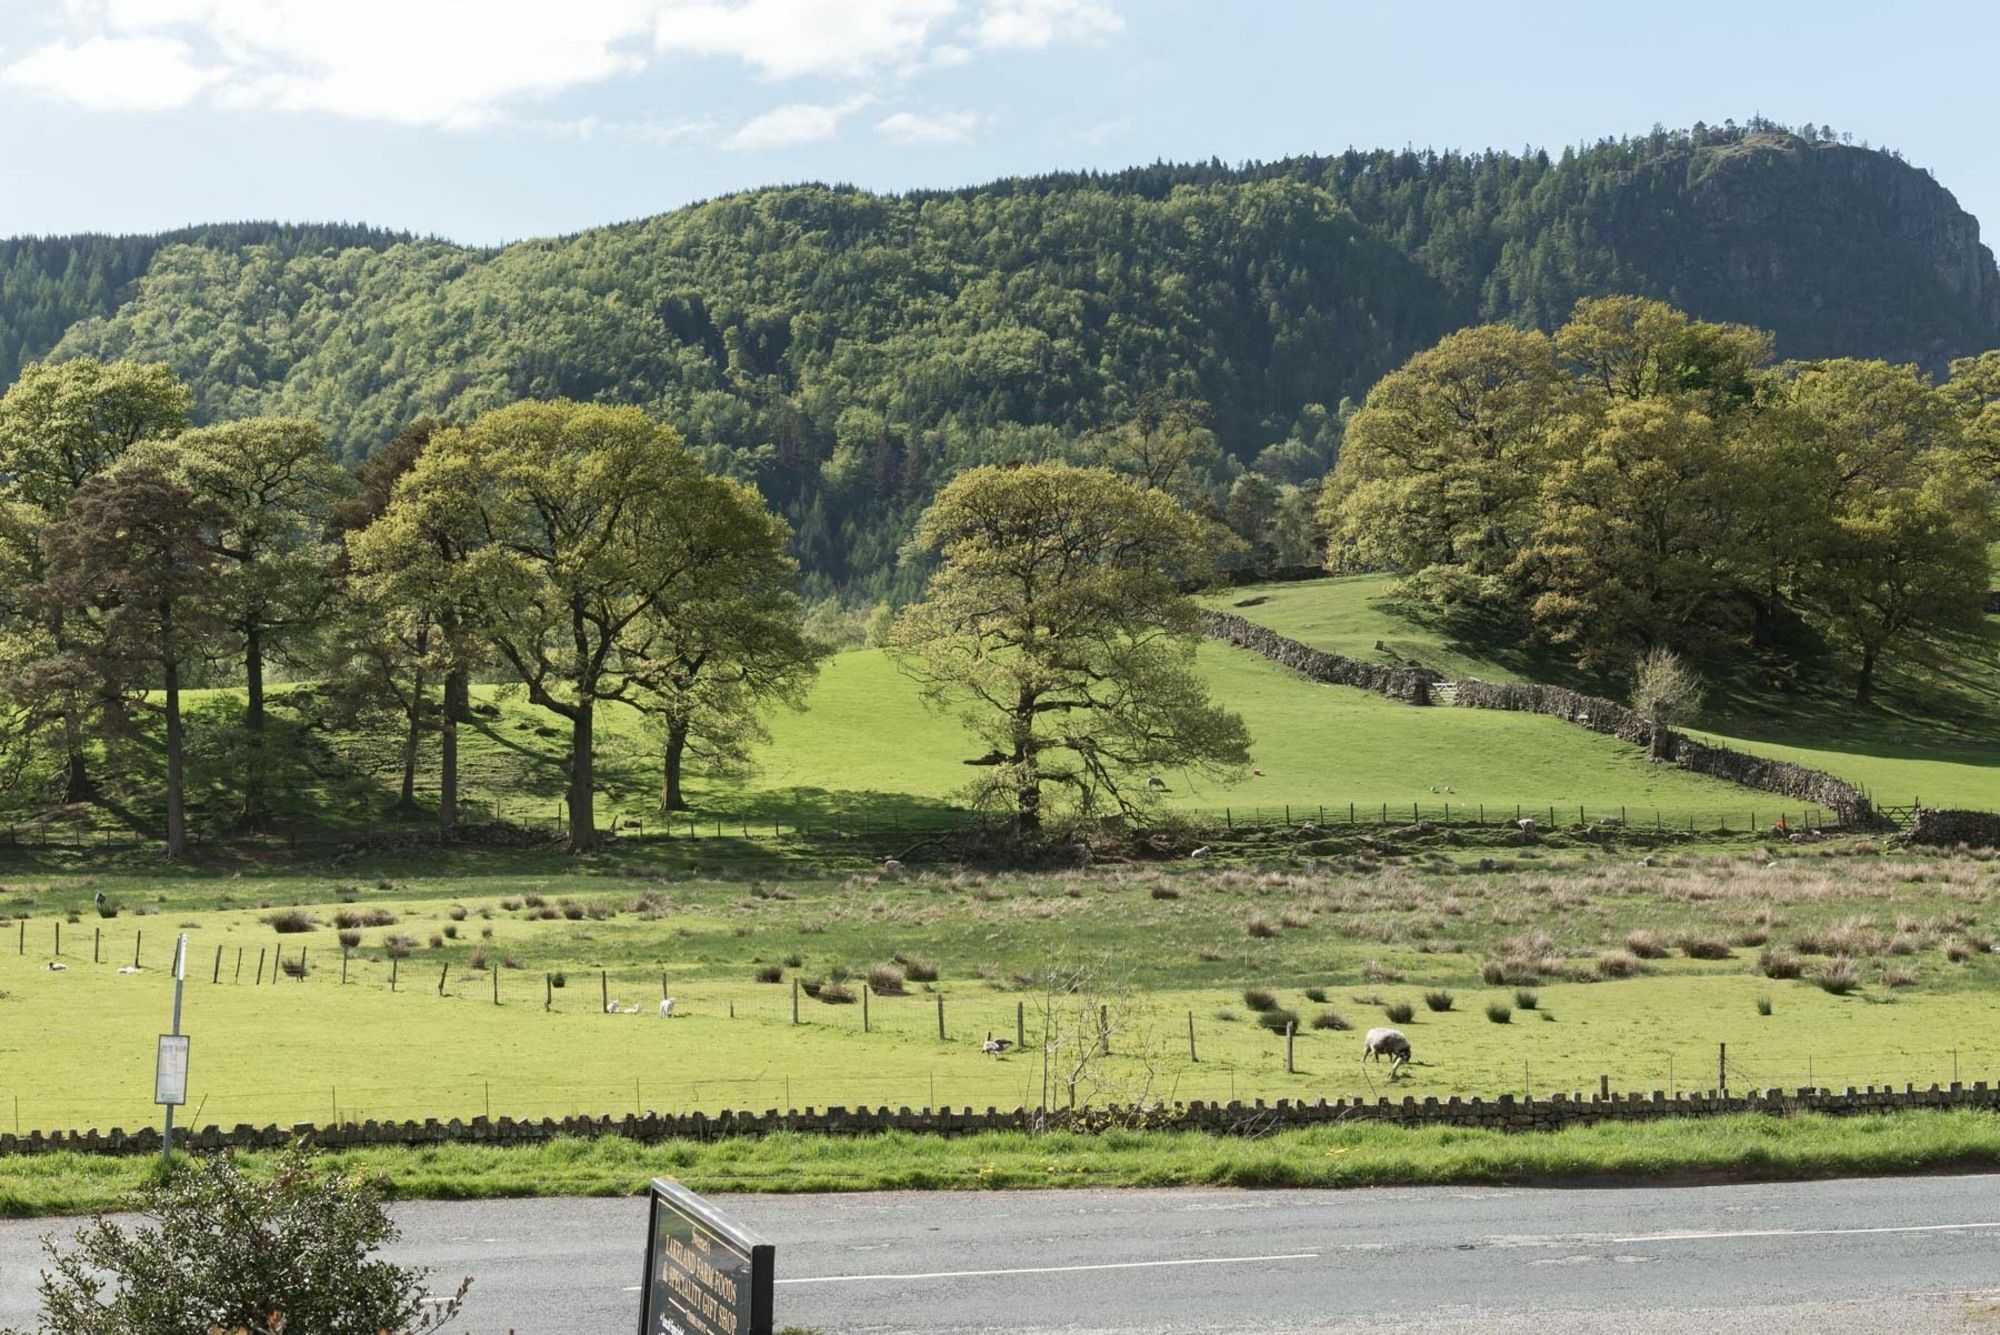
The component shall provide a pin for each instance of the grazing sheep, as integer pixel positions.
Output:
(128, 968)
(1157, 784)
(55, 967)
(891, 867)
(1202, 852)
(611, 1007)
(98, 899)
(1526, 824)
(667, 1009)
(1378, 1042)
(994, 1047)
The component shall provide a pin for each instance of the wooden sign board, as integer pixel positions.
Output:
(705, 1274)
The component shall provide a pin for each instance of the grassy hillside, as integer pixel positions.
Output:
(866, 750)
(1934, 735)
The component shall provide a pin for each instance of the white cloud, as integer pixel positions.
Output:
(467, 63)
(417, 62)
(793, 124)
(947, 127)
(783, 39)
(115, 73)
(1031, 25)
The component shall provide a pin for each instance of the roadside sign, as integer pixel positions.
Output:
(705, 1274)
(170, 1071)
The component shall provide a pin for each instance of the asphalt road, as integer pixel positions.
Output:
(1887, 1255)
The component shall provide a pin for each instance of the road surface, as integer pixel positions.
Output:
(1887, 1255)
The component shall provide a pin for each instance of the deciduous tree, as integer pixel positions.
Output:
(1058, 627)
(133, 550)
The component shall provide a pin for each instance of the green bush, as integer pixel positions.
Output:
(222, 1251)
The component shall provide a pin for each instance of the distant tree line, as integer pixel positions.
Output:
(1641, 480)
(580, 551)
(849, 354)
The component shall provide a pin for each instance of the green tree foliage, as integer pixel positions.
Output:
(577, 539)
(132, 551)
(728, 644)
(848, 353)
(272, 486)
(224, 1252)
(1056, 625)
(60, 426)
(1646, 480)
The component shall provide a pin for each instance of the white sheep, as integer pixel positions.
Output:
(1526, 824)
(1202, 852)
(55, 967)
(1378, 1042)
(891, 867)
(611, 1007)
(667, 1009)
(128, 968)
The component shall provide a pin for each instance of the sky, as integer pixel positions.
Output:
(487, 121)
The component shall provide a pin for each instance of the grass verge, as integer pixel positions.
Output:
(1748, 1147)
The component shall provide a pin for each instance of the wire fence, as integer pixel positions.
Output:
(778, 825)
(759, 1048)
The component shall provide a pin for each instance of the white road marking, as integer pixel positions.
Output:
(1808, 1232)
(1055, 1269)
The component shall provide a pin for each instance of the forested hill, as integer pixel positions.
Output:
(848, 350)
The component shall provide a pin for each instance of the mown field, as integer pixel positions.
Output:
(1933, 735)
(1605, 968)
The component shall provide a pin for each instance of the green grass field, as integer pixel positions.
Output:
(1934, 735)
(1742, 1148)
(1160, 945)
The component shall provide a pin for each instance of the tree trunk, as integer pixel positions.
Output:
(456, 692)
(582, 795)
(670, 769)
(1864, 681)
(77, 786)
(406, 801)
(256, 811)
(176, 813)
(1027, 782)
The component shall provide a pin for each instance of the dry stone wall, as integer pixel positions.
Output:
(1948, 829)
(1504, 1113)
(1411, 684)
(1416, 685)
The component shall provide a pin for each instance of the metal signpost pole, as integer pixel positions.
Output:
(170, 1071)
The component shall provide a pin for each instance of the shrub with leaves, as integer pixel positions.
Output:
(221, 1250)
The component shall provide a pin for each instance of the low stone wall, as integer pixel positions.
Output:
(1504, 1113)
(1815, 787)
(1948, 829)
(1411, 684)
(1810, 786)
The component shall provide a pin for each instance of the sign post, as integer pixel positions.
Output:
(170, 1066)
(705, 1274)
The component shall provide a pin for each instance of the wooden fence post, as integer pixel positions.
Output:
(1290, 1068)
(1104, 1029)
(795, 1000)
(96, 941)
(136, 938)
(260, 967)
(603, 991)
(865, 990)
(1020, 1024)
(443, 974)
(394, 964)
(940, 1004)
(216, 977)
(1191, 1056)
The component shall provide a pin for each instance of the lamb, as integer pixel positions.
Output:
(994, 1047)
(611, 1007)
(55, 967)
(1202, 852)
(128, 968)
(891, 867)
(667, 1009)
(1377, 1042)
(1526, 824)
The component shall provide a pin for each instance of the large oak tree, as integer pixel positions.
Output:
(1057, 626)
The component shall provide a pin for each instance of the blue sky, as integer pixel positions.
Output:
(493, 120)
